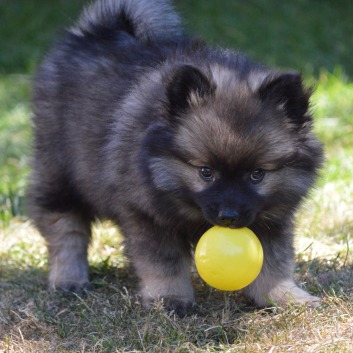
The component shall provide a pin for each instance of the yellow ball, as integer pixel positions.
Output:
(228, 259)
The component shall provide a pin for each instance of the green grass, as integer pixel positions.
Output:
(301, 34)
(14, 144)
(28, 27)
(314, 37)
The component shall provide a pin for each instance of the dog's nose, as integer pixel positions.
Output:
(228, 217)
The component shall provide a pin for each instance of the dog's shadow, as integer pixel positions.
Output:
(332, 276)
(26, 302)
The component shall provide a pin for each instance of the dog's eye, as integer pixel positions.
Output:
(257, 175)
(206, 173)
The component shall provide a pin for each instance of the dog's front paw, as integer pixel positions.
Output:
(179, 306)
(179, 300)
(299, 296)
(279, 293)
(172, 304)
(288, 293)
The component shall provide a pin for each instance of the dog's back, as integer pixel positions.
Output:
(79, 85)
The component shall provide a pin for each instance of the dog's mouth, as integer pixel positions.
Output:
(235, 225)
(231, 219)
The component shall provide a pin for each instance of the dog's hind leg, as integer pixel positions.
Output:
(67, 236)
(61, 217)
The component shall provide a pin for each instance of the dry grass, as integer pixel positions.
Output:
(111, 319)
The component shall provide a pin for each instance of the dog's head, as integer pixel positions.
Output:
(233, 146)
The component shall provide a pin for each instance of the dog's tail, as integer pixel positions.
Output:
(147, 20)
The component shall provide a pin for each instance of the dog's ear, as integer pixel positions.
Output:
(186, 85)
(287, 92)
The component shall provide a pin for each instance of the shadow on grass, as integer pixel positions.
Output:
(112, 316)
(327, 276)
(111, 312)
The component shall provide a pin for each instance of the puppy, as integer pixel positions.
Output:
(138, 123)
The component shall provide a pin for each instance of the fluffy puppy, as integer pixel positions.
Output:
(138, 123)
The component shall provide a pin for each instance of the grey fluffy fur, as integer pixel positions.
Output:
(151, 19)
(138, 123)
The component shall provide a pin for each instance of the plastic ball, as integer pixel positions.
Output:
(228, 259)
